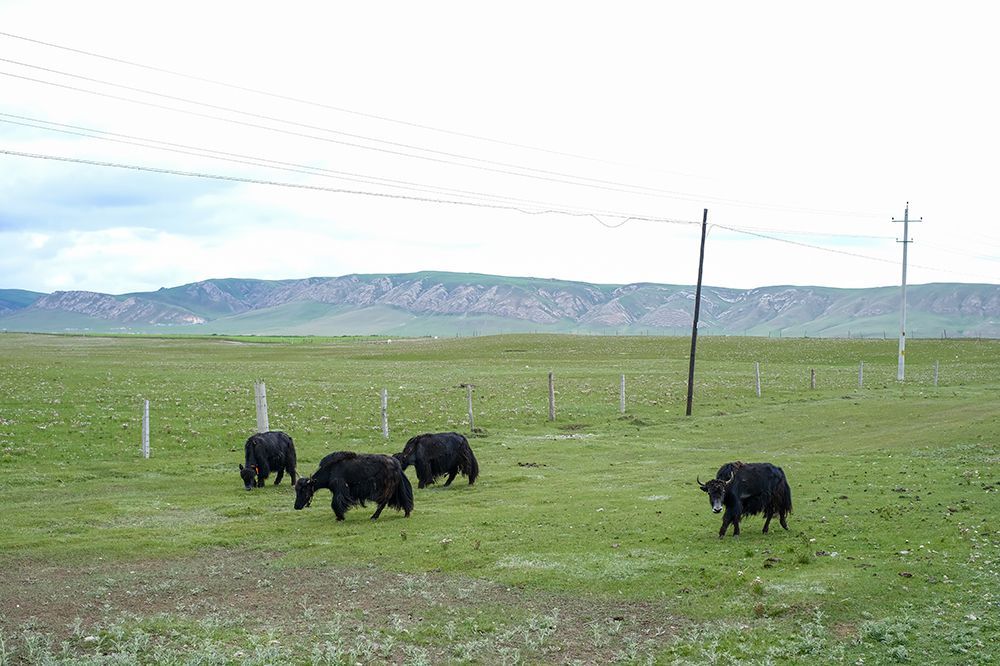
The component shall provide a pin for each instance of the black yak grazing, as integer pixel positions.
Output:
(434, 455)
(266, 452)
(354, 478)
(746, 489)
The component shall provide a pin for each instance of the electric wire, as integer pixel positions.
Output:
(76, 130)
(321, 105)
(395, 144)
(320, 188)
(344, 143)
(845, 252)
(555, 176)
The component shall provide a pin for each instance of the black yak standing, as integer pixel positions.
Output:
(746, 489)
(267, 451)
(354, 478)
(434, 455)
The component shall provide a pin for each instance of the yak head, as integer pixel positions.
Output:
(305, 487)
(405, 460)
(716, 489)
(247, 474)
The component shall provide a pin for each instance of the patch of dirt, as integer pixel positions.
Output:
(262, 594)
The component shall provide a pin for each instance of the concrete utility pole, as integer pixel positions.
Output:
(901, 372)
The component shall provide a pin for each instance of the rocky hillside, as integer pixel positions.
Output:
(446, 303)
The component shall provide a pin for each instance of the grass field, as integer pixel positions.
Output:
(585, 540)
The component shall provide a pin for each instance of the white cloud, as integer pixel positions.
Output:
(807, 109)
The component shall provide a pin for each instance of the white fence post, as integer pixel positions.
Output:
(468, 395)
(861, 375)
(552, 397)
(756, 369)
(260, 398)
(145, 429)
(385, 413)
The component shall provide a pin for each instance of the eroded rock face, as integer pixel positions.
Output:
(126, 309)
(537, 301)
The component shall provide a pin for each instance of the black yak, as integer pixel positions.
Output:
(746, 489)
(434, 455)
(266, 452)
(354, 478)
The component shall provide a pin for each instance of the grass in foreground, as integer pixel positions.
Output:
(584, 540)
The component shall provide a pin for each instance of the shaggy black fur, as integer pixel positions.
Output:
(354, 478)
(435, 455)
(264, 452)
(746, 489)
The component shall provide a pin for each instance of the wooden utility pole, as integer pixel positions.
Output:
(697, 311)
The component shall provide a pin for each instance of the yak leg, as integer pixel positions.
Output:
(277, 477)
(781, 517)
(424, 474)
(451, 476)
(378, 511)
(731, 516)
(725, 525)
(336, 509)
(767, 519)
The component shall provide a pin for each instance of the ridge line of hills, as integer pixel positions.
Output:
(441, 303)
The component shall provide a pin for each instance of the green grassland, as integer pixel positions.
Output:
(585, 540)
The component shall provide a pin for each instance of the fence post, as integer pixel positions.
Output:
(552, 398)
(621, 397)
(757, 372)
(812, 378)
(385, 413)
(861, 375)
(145, 429)
(260, 398)
(935, 373)
(468, 395)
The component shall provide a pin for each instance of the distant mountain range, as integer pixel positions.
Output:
(434, 303)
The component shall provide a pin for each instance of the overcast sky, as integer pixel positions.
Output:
(567, 140)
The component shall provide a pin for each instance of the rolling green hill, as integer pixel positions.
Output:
(447, 304)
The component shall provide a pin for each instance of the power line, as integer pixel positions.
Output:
(682, 197)
(299, 100)
(351, 135)
(595, 216)
(748, 232)
(319, 188)
(553, 176)
(845, 252)
(237, 158)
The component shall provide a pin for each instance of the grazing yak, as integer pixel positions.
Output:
(354, 478)
(266, 452)
(746, 489)
(437, 454)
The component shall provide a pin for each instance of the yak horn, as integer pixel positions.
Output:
(732, 475)
(698, 479)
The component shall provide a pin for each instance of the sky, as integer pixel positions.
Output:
(154, 144)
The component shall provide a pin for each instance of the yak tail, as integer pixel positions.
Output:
(402, 497)
(784, 497)
(468, 463)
